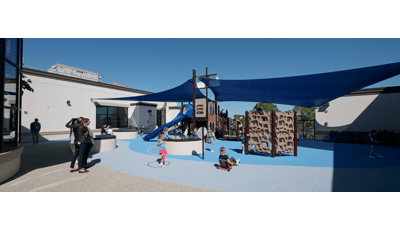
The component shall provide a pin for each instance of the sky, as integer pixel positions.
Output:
(159, 64)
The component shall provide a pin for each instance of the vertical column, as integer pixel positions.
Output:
(237, 130)
(194, 99)
(207, 99)
(295, 132)
(246, 136)
(202, 134)
(314, 128)
(223, 128)
(2, 69)
(273, 129)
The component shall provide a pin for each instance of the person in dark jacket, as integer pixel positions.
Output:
(35, 128)
(89, 142)
(80, 133)
(103, 130)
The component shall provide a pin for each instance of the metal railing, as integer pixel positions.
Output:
(44, 66)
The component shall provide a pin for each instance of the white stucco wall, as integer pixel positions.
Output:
(361, 113)
(48, 103)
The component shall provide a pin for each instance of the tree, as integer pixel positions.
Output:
(236, 116)
(305, 113)
(26, 85)
(269, 107)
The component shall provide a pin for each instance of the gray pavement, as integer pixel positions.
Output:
(45, 168)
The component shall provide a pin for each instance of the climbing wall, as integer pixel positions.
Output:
(284, 132)
(260, 132)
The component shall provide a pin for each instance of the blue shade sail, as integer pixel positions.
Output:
(305, 90)
(183, 92)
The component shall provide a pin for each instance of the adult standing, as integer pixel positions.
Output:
(89, 142)
(80, 132)
(374, 143)
(35, 128)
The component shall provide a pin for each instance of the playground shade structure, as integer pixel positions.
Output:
(182, 92)
(178, 118)
(305, 90)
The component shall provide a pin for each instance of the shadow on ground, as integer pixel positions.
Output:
(354, 171)
(45, 154)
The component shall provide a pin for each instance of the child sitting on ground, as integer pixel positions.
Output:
(229, 161)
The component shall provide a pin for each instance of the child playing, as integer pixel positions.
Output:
(212, 140)
(230, 161)
(163, 151)
(141, 131)
(166, 132)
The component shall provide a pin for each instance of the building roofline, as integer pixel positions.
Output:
(60, 77)
(374, 91)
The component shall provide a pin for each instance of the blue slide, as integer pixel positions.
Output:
(186, 112)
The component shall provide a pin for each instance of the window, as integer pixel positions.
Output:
(10, 79)
(117, 117)
(161, 120)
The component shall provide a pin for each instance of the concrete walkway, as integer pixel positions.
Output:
(45, 167)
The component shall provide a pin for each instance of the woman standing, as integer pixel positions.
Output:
(80, 132)
(89, 143)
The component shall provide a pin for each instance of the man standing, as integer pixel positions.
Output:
(35, 128)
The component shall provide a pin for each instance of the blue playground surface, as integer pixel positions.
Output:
(310, 154)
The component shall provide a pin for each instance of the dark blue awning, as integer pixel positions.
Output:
(306, 90)
(183, 92)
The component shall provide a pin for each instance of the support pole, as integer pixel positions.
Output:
(237, 130)
(202, 134)
(273, 127)
(194, 99)
(246, 136)
(295, 133)
(207, 98)
(314, 129)
(227, 125)
(223, 128)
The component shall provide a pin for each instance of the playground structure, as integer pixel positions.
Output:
(272, 132)
(260, 129)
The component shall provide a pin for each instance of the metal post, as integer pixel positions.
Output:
(246, 136)
(2, 67)
(314, 130)
(295, 133)
(237, 130)
(202, 133)
(223, 129)
(273, 127)
(207, 98)
(303, 129)
(194, 99)
(228, 126)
